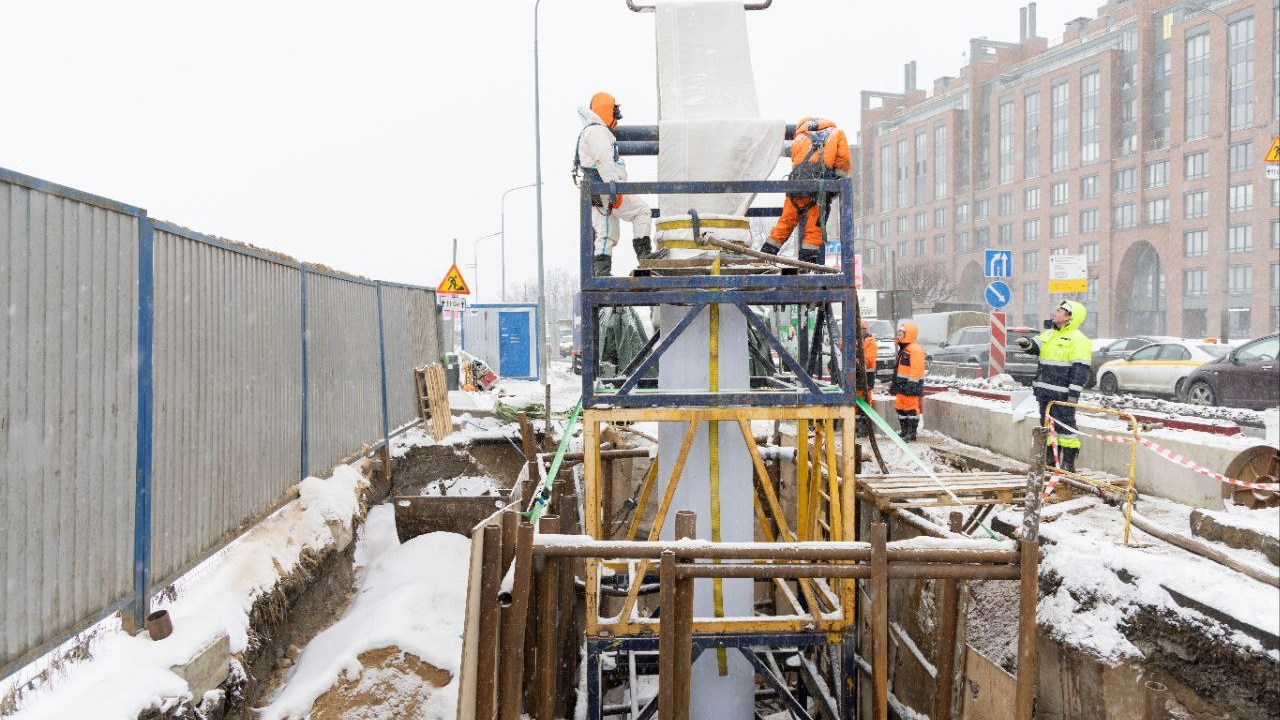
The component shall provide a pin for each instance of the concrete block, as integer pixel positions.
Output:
(208, 666)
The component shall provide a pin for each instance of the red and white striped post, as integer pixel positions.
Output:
(999, 337)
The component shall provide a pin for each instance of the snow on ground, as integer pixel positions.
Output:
(410, 597)
(463, 485)
(128, 674)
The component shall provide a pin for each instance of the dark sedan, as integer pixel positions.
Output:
(1248, 376)
(1119, 349)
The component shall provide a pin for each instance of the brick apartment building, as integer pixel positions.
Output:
(1109, 143)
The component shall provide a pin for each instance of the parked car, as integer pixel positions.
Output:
(1248, 376)
(1157, 369)
(1116, 349)
(973, 345)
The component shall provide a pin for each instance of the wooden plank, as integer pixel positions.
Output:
(438, 399)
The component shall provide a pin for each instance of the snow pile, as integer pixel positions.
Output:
(129, 674)
(396, 651)
(468, 429)
(462, 486)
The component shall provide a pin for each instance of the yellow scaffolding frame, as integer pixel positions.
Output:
(1127, 490)
(825, 511)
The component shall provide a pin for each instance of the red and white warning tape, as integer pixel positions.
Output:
(1167, 454)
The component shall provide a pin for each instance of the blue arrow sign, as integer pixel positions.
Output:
(999, 263)
(998, 294)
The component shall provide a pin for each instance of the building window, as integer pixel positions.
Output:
(1058, 193)
(884, 228)
(1197, 164)
(1240, 279)
(1006, 203)
(1088, 187)
(1030, 296)
(1060, 126)
(1241, 157)
(902, 248)
(1240, 238)
(922, 220)
(1031, 133)
(1158, 174)
(1126, 181)
(1163, 64)
(1195, 243)
(1240, 197)
(1031, 230)
(1125, 216)
(962, 213)
(962, 241)
(1089, 221)
(922, 247)
(939, 161)
(1090, 134)
(904, 166)
(1197, 86)
(1275, 234)
(869, 255)
(1006, 234)
(1090, 251)
(1058, 226)
(1240, 59)
(1031, 199)
(1195, 283)
(1059, 250)
(922, 167)
(1156, 211)
(981, 210)
(940, 217)
(1006, 141)
(1275, 193)
(902, 225)
(886, 179)
(939, 245)
(1031, 261)
(1195, 204)
(983, 237)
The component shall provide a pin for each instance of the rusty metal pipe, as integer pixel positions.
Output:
(579, 546)
(880, 621)
(924, 525)
(516, 613)
(667, 638)
(1154, 701)
(546, 665)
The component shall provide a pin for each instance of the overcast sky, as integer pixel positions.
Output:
(368, 135)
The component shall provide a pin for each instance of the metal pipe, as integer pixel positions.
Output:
(516, 613)
(948, 614)
(490, 577)
(579, 546)
(686, 527)
(763, 5)
(649, 133)
(744, 250)
(545, 355)
(667, 638)
(897, 571)
(924, 525)
(880, 621)
(1154, 701)
(1263, 575)
(546, 663)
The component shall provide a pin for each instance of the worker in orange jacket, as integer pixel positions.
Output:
(908, 381)
(819, 149)
(865, 379)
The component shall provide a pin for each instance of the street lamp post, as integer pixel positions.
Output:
(537, 181)
(503, 233)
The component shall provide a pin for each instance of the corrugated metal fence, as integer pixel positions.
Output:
(160, 389)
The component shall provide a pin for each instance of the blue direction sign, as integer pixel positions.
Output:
(998, 294)
(999, 263)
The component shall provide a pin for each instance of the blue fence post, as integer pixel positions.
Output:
(302, 461)
(382, 362)
(142, 486)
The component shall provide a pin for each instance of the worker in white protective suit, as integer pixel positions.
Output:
(597, 159)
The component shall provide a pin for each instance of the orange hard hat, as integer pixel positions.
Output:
(606, 108)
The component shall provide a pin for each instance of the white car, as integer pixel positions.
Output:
(1157, 369)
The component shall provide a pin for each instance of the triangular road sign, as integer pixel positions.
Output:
(1273, 155)
(453, 284)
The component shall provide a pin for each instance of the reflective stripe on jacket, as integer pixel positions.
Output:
(909, 378)
(1065, 355)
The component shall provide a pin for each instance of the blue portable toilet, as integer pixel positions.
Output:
(504, 335)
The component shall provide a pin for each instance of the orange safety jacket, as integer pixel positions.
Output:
(819, 149)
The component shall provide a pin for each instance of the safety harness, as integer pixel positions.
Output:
(817, 170)
(591, 173)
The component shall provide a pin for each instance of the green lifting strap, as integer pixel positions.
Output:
(539, 503)
(883, 425)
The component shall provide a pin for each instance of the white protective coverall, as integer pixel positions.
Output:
(598, 150)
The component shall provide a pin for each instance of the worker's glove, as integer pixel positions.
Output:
(811, 255)
(1024, 343)
(769, 248)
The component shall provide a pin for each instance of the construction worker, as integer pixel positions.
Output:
(865, 380)
(1063, 370)
(819, 149)
(597, 159)
(908, 381)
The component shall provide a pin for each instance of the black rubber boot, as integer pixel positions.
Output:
(909, 429)
(1049, 460)
(602, 265)
(643, 246)
(1069, 456)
